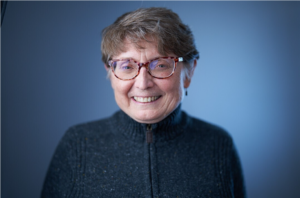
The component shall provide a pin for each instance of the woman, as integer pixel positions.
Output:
(150, 148)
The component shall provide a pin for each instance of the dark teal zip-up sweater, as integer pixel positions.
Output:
(117, 157)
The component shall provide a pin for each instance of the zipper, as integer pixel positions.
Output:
(149, 134)
(149, 140)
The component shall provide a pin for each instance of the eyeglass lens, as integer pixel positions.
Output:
(127, 69)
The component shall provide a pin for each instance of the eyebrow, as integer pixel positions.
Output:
(127, 58)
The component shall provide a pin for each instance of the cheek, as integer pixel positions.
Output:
(178, 88)
(121, 88)
(173, 88)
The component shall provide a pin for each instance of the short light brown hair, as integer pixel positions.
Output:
(149, 24)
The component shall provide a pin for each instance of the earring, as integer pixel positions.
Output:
(186, 92)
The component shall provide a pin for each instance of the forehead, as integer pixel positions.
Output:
(141, 52)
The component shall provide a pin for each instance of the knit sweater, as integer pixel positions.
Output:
(118, 157)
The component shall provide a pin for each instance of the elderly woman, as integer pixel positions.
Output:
(150, 148)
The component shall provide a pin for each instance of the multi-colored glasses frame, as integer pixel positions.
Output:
(140, 65)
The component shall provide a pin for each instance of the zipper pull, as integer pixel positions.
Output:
(149, 134)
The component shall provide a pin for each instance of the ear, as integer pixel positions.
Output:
(108, 71)
(187, 80)
(106, 67)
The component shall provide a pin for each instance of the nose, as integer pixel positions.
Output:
(144, 80)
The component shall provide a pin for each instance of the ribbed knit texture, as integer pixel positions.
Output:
(111, 158)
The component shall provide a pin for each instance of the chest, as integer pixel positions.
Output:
(173, 169)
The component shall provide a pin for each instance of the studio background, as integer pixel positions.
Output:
(247, 81)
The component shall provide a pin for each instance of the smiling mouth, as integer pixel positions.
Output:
(146, 99)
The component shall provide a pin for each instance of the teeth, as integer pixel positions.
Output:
(147, 99)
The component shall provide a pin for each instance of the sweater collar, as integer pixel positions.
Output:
(167, 129)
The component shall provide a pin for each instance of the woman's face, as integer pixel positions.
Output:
(165, 94)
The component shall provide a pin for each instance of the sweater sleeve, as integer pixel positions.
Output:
(237, 175)
(61, 176)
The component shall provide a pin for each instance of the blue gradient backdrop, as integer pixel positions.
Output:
(247, 81)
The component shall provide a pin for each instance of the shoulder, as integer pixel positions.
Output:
(93, 129)
(205, 129)
(89, 127)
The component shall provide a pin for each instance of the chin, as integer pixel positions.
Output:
(147, 117)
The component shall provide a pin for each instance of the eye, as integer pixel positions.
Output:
(125, 65)
(161, 66)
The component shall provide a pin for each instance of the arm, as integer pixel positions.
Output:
(237, 176)
(61, 176)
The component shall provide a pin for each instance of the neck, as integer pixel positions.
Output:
(164, 130)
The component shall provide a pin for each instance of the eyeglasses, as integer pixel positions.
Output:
(128, 69)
